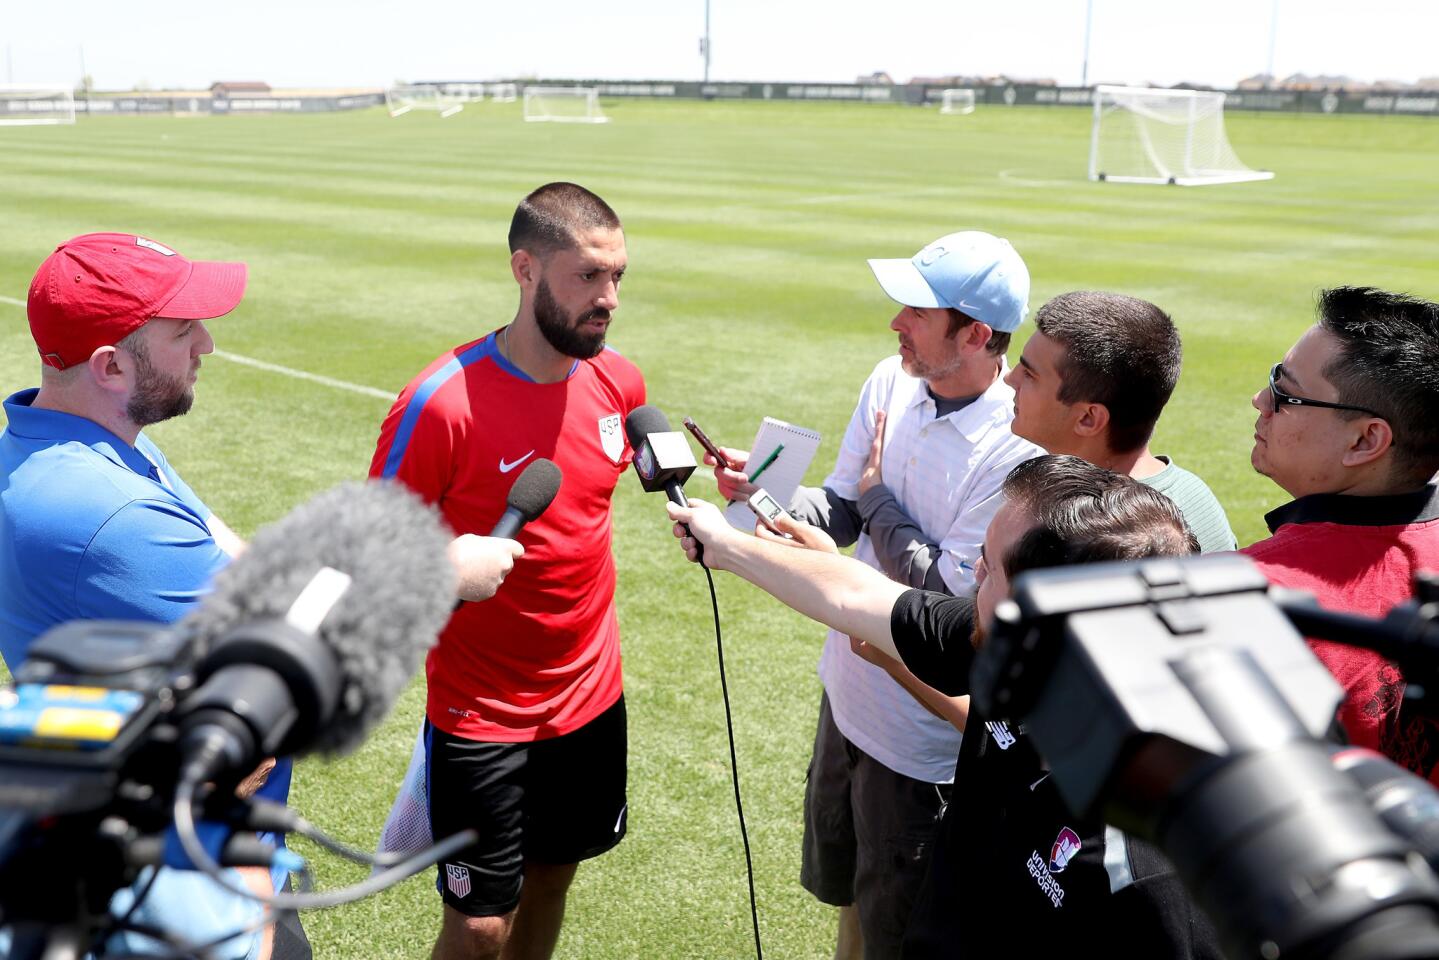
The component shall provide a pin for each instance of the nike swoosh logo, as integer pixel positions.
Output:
(1035, 785)
(970, 306)
(506, 467)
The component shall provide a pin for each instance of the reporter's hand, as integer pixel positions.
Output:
(733, 484)
(707, 526)
(801, 534)
(482, 564)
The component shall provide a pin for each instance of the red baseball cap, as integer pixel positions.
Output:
(97, 289)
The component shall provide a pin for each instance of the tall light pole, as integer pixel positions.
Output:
(1273, 40)
(1088, 23)
(705, 42)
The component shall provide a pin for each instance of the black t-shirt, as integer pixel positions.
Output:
(933, 634)
(1014, 874)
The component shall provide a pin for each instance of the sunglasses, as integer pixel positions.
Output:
(1282, 399)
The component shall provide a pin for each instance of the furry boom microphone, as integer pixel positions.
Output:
(313, 632)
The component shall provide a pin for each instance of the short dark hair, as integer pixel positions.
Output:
(1087, 514)
(1388, 361)
(998, 344)
(552, 217)
(1119, 351)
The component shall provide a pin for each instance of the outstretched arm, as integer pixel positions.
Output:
(835, 590)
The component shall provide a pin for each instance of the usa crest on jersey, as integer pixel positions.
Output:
(611, 437)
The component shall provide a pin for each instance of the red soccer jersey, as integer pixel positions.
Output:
(1359, 555)
(541, 658)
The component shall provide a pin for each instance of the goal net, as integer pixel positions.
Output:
(446, 101)
(24, 105)
(564, 104)
(1147, 135)
(504, 92)
(957, 100)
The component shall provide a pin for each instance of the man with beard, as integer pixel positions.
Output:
(915, 484)
(95, 523)
(1013, 872)
(524, 737)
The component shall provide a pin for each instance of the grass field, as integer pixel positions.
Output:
(374, 244)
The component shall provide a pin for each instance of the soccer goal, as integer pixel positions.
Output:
(1148, 135)
(504, 92)
(564, 104)
(400, 100)
(957, 100)
(26, 105)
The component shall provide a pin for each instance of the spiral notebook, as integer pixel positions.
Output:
(782, 477)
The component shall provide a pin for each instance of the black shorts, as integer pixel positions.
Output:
(560, 800)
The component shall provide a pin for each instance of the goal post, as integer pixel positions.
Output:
(1154, 135)
(29, 105)
(504, 92)
(402, 99)
(958, 100)
(564, 105)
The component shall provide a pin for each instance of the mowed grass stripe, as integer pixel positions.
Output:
(376, 244)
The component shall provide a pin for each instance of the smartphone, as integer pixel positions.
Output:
(767, 508)
(707, 443)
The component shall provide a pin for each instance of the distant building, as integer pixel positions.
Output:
(877, 79)
(239, 88)
(1301, 81)
(1260, 81)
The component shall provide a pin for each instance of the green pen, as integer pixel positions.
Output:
(767, 461)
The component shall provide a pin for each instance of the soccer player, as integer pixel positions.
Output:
(525, 729)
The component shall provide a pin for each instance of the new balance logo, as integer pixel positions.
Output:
(507, 465)
(999, 730)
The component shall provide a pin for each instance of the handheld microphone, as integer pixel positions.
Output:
(313, 632)
(663, 459)
(533, 491)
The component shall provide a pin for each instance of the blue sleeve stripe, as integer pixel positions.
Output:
(422, 395)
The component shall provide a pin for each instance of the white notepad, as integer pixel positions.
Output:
(781, 478)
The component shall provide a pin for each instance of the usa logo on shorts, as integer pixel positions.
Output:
(457, 878)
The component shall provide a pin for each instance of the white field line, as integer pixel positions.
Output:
(276, 368)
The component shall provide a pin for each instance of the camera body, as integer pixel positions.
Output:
(88, 755)
(1174, 698)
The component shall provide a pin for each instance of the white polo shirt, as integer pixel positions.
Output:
(946, 474)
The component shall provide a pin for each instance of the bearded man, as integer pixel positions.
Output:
(524, 738)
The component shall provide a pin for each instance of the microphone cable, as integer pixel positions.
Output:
(734, 763)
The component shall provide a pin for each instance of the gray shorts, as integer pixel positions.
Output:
(868, 835)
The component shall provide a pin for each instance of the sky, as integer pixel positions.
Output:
(181, 44)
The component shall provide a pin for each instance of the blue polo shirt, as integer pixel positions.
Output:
(94, 528)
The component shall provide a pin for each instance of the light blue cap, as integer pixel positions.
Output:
(973, 272)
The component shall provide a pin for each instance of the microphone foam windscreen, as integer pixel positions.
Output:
(642, 422)
(403, 590)
(535, 488)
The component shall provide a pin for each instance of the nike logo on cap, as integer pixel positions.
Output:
(507, 467)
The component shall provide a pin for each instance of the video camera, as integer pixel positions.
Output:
(122, 743)
(1175, 698)
(89, 754)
